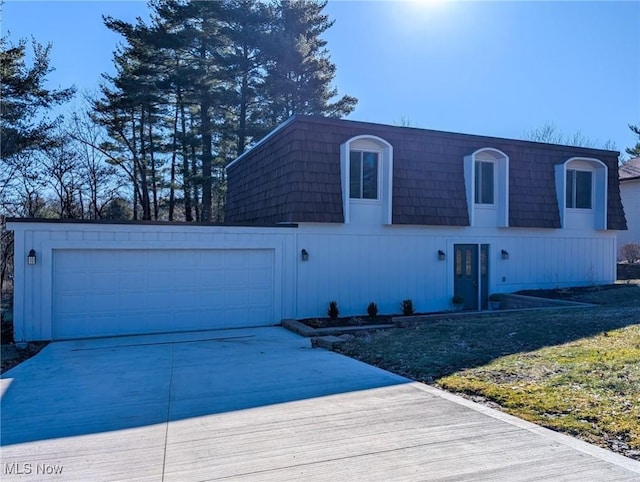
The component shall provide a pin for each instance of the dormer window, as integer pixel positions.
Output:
(366, 165)
(486, 178)
(484, 192)
(363, 174)
(579, 189)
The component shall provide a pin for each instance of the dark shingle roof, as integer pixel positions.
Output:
(294, 176)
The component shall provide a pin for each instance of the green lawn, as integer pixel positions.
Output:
(575, 370)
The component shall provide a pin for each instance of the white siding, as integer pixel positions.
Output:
(630, 194)
(349, 263)
(355, 265)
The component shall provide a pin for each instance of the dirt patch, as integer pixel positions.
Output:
(12, 355)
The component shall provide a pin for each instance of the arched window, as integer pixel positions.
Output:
(367, 175)
(487, 185)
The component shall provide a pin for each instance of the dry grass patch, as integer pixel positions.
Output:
(575, 371)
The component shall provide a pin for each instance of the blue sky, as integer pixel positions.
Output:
(490, 68)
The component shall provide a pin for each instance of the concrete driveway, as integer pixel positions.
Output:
(260, 404)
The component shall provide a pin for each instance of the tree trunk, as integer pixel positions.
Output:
(174, 153)
(186, 178)
(145, 201)
(154, 178)
(205, 129)
(194, 175)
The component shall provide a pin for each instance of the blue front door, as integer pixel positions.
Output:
(471, 274)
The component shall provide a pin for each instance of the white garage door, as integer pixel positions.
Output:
(115, 292)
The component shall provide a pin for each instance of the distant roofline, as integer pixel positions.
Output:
(337, 121)
(632, 174)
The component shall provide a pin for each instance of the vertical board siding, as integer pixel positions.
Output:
(391, 265)
(352, 265)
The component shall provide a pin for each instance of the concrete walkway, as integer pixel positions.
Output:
(260, 404)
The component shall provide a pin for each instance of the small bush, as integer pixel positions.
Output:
(357, 321)
(630, 253)
(372, 310)
(457, 299)
(333, 310)
(407, 307)
(495, 297)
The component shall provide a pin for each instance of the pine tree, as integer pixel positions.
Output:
(635, 150)
(300, 73)
(203, 81)
(25, 100)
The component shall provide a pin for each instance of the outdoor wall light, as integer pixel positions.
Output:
(31, 259)
(505, 254)
(304, 254)
(441, 255)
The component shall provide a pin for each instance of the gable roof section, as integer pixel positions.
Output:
(293, 175)
(630, 170)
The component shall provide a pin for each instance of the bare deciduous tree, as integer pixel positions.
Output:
(630, 253)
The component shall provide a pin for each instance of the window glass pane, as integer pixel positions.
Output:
(478, 175)
(484, 182)
(458, 262)
(569, 188)
(583, 189)
(369, 175)
(487, 183)
(354, 174)
(468, 262)
(483, 262)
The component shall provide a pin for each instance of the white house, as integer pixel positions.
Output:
(629, 174)
(326, 209)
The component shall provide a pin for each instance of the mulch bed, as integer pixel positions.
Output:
(347, 321)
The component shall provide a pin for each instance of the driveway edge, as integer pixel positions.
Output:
(580, 445)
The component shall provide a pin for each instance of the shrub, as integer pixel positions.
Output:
(495, 297)
(372, 310)
(407, 307)
(457, 299)
(630, 252)
(333, 310)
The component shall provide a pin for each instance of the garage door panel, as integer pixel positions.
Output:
(74, 281)
(129, 281)
(133, 260)
(186, 259)
(111, 292)
(185, 279)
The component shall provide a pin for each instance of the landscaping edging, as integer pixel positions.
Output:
(511, 304)
(307, 331)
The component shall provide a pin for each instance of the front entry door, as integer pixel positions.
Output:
(471, 277)
(466, 274)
